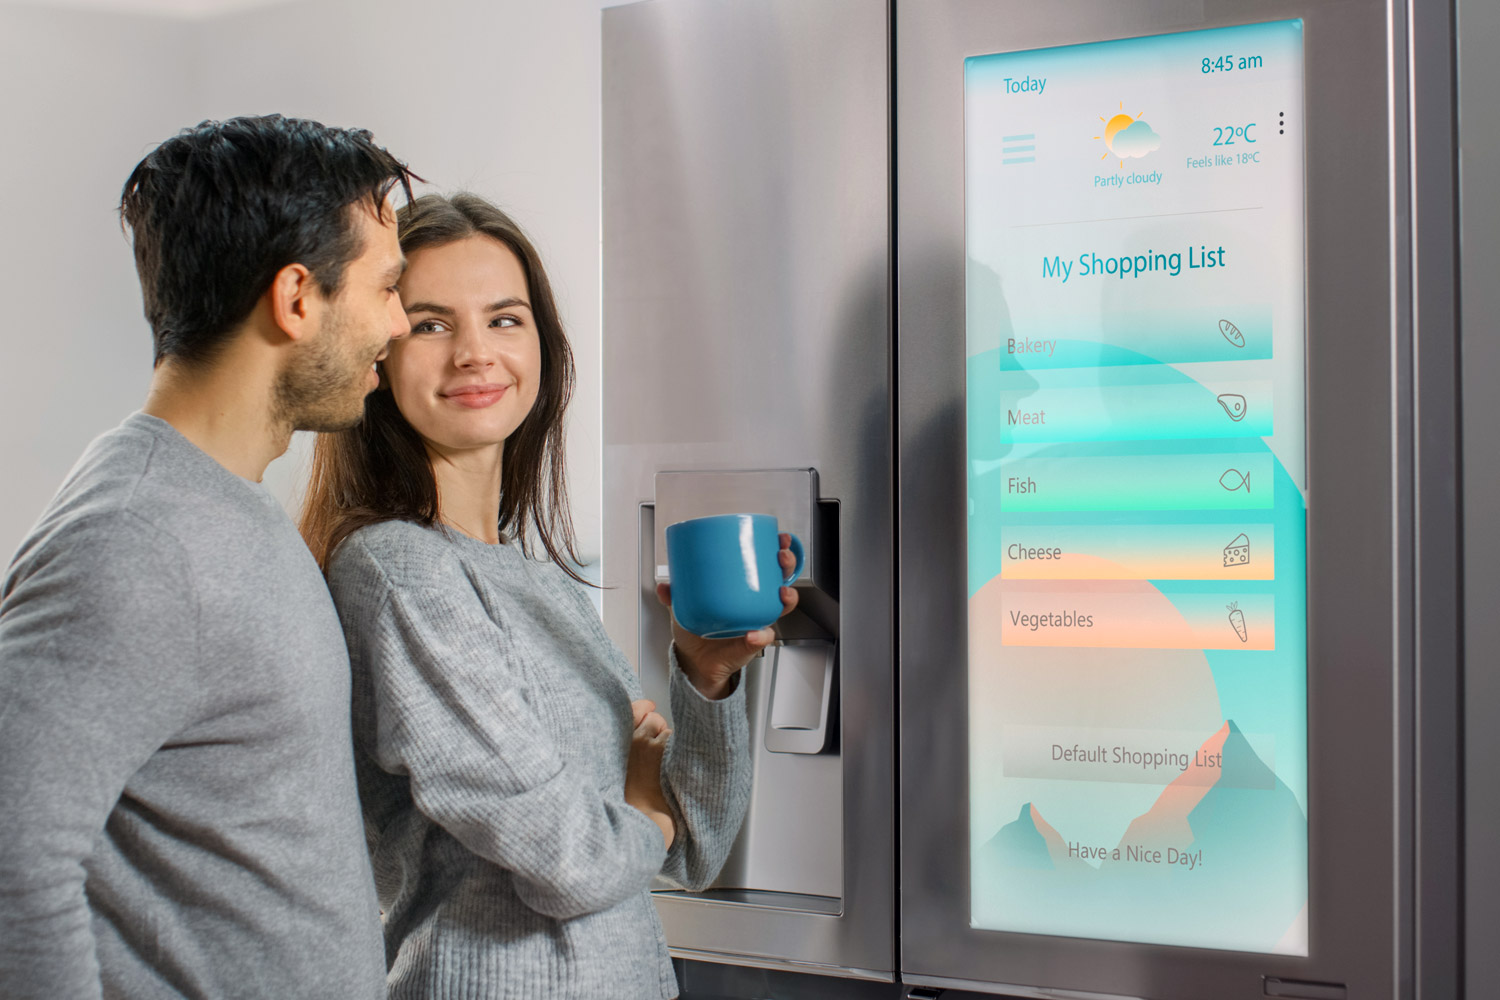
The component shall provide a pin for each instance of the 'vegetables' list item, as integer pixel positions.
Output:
(1137, 490)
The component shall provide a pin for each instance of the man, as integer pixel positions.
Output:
(178, 815)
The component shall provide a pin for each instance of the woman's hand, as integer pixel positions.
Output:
(710, 664)
(643, 767)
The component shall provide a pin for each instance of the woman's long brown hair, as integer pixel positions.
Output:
(378, 470)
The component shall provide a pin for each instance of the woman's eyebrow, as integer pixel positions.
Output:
(433, 307)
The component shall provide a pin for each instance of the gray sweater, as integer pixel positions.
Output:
(178, 815)
(492, 724)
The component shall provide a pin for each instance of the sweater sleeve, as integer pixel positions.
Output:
(98, 662)
(706, 776)
(439, 698)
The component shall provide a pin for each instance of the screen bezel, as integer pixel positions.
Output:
(1296, 206)
(1352, 540)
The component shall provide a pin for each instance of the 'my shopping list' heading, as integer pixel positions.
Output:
(1091, 265)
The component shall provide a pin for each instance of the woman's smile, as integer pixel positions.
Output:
(475, 397)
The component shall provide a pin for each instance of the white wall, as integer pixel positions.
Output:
(86, 94)
(497, 96)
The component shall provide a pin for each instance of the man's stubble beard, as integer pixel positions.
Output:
(323, 387)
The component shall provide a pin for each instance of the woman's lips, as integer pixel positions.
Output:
(476, 397)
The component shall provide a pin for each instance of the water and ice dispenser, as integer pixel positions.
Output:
(791, 841)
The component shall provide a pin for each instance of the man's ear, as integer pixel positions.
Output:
(295, 298)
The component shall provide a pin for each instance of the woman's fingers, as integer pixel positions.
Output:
(651, 725)
(640, 708)
(732, 653)
(759, 639)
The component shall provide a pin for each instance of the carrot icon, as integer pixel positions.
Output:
(1237, 619)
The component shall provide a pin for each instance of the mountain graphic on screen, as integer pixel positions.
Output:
(1165, 824)
(1029, 842)
(1019, 844)
(1228, 813)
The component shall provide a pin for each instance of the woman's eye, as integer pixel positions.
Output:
(426, 326)
(505, 321)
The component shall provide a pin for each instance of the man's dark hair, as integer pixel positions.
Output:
(218, 209)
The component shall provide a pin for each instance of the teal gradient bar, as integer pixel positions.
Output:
(1136, 412)
(1137, 482)
(1185, 336)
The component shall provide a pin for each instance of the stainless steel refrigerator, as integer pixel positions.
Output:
(1105, 354)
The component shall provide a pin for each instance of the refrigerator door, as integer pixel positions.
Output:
(747, 339)
(1152, 744)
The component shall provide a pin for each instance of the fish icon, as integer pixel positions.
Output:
(1231, 333)
(1233, 479)
(1234, 405)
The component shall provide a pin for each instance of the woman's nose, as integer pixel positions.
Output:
(472, 349)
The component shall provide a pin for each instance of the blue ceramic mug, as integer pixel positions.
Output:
(725, 577)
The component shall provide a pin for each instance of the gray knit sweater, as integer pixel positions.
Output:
(177, 803)
(492, 725)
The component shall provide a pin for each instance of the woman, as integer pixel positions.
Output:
(519, 798)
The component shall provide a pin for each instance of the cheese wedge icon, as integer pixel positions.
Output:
(1234, 405)
(1237, 552)
(1231, 333)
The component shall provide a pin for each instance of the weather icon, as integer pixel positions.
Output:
(1127, 137)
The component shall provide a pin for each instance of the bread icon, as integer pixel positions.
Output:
(1237, 552)
(1231, 333)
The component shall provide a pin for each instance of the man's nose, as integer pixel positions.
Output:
(400, 327)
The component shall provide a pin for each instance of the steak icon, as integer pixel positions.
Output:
(1234, 405)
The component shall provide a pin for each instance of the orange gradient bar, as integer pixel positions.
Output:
(1126, 615)
(1139, 552)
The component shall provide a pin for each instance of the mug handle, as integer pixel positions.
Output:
(797, 569)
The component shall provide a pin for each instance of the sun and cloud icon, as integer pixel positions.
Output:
(1127, 136)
